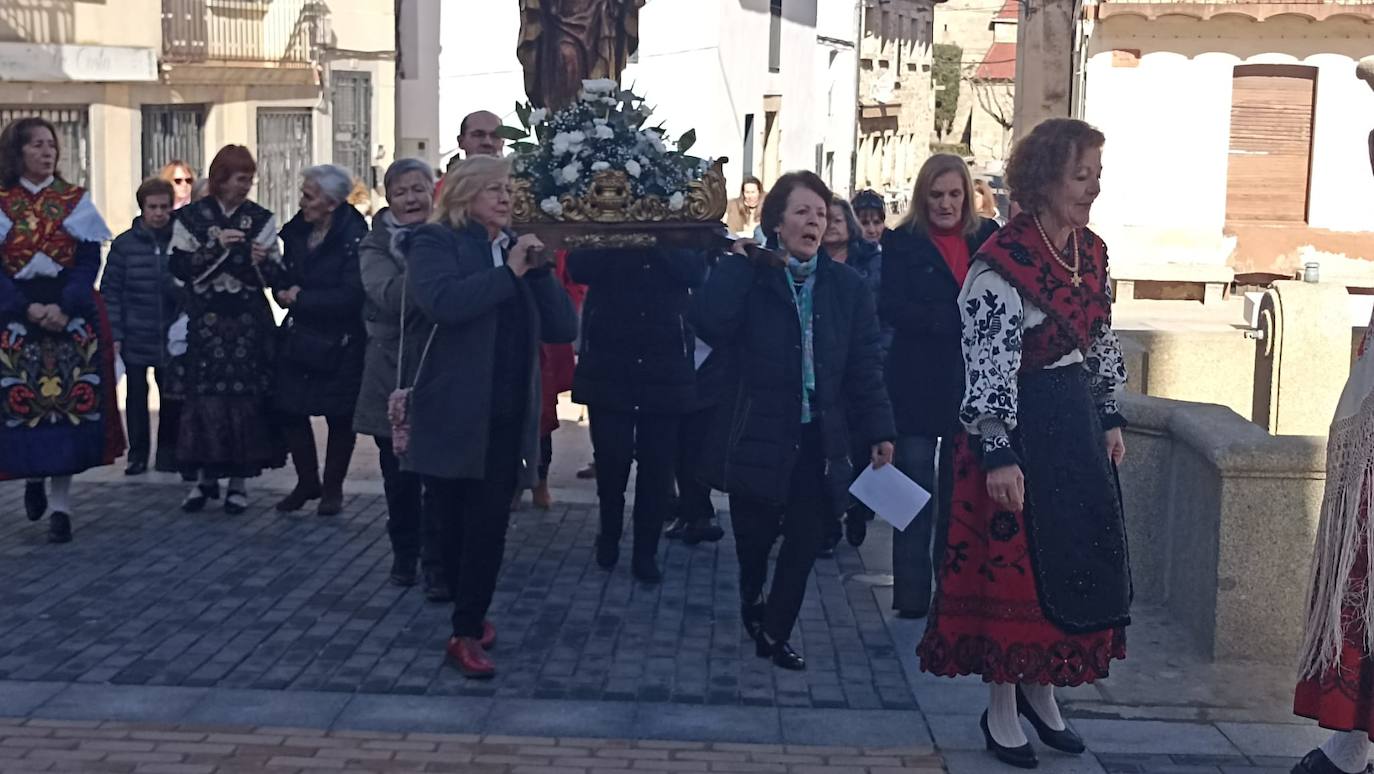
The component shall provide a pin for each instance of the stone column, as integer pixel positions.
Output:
(1303, 358)
(1044, 63)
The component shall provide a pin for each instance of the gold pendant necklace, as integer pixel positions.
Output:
(1073, 249)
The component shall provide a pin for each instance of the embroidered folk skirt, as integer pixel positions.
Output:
(225, 380)
(1042, 595)
(1342, 697)
(59, 414)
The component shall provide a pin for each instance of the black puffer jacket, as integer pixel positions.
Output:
(755, 434)
(920, 300)
(140, 294)
(637, 347)
(330, 304)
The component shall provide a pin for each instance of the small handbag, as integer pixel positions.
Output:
(398, 402)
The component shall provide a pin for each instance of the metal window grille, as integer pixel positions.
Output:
(284, 152)
(173, 132)
(73, 137)
(352, 108)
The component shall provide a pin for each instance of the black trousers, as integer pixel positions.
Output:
(915, 559)
(138, 421)
(413, 531)
(861, 456)
(801, 522)
(620, 438)
(473, 516)
(693, 497)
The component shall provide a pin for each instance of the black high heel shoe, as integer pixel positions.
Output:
(202, 494)
(1063, 741)
(1316, 762)
(1022, 757)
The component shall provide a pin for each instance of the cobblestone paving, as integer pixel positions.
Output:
(147, 595)
(1193, 764)
(74, 746)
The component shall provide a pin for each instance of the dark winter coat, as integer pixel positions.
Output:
(330, 305)
(140, 295)
(920, 300)
(637, 347)
(867, 260)
(716, 374)
(755, 434)
(452, 279)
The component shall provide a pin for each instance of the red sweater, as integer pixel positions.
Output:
(953, 248)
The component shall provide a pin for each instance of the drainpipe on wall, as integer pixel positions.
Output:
(1078, 87)
(858, 81)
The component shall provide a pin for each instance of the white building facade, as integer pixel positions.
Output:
(135, 83)
(770, 84)
(1236, 134)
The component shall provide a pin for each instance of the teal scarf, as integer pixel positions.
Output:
(802, 280)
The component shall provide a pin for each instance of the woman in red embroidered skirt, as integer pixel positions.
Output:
(1336, 682)
(1034, 588)
(58, 414)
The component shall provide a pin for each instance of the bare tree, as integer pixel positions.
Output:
(996, 100)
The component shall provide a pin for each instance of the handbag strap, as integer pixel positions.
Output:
(401, 355)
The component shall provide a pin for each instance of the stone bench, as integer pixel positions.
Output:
(1215, 280)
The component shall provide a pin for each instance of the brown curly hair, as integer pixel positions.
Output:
(1038, 161)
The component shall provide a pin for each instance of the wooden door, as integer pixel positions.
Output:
(1271, 143)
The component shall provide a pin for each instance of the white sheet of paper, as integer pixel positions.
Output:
(894, 497)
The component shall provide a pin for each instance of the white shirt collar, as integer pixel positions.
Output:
(33, 187)
(498, 249)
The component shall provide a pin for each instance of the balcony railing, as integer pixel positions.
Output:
(249, 31)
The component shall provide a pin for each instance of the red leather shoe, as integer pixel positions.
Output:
(488, 638)
(469, 657)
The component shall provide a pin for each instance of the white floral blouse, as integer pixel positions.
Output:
(995, 320)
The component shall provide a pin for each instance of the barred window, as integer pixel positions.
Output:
(73, 137)
(173, 132)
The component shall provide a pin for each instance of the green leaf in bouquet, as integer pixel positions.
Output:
(523, 111)
(524, 147)
(510, 133)
(686, 141)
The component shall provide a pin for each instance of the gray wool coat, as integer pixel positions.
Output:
(453, 279)
(383, 266)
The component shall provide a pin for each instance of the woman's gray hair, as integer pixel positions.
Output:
(334, 181)
(402, 167)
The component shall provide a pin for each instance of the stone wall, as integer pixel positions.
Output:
(1221, 517)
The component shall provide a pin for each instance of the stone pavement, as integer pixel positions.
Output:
(142, 748)
(154, 618)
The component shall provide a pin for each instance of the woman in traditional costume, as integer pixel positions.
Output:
(1035, 586)
(1336, 681)
(58, 411)
(225, 251)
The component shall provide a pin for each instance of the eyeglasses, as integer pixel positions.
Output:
(183, 180)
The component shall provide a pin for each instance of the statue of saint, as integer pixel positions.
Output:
(563, 42)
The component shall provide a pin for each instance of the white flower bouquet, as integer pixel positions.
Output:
(595, 162)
